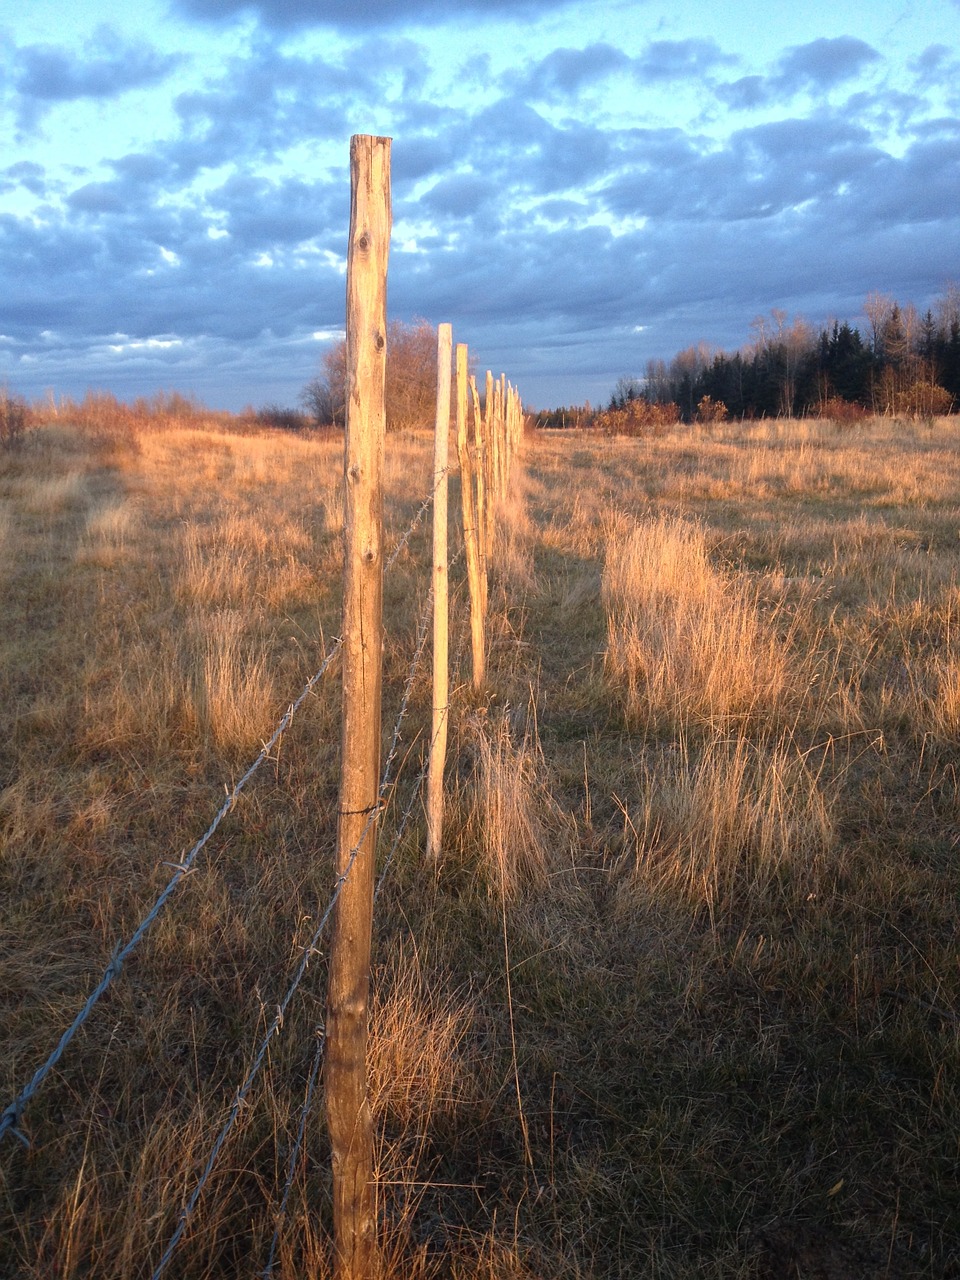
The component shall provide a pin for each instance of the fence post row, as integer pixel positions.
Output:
(345, 1076)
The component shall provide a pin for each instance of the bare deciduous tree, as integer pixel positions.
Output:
(411, 379)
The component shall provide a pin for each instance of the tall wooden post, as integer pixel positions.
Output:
(347, 1105)
(493, 458)
(471, 538)
(481, 514)
(441, 674)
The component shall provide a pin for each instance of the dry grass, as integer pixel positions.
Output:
(683, 1000)
(726, 822)
(515, 823)
(687, 640)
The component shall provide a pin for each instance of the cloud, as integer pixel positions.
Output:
(760, 172)
(679, 60)
(566, 72)
(360, 14)
(458, 196)
(815, 67)
(541, 211)
(26, 174)
(108, 67)
(745, 94)
(824, 63)
(263, 102)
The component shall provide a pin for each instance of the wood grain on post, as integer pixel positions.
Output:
(490, 434)
(471, 539)
(501, 438)
(481, 513)
(345, 1074)
(441, 674)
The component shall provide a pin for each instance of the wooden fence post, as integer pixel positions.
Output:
(490, 438)
(441, 673)
(481, 515)
(471, 536)
(345, 1074)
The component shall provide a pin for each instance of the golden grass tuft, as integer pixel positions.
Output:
(418, 1059)
(518, 825)
(685, 640)
(725, 822)
(232, 685)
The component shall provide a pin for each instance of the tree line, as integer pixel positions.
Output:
(905, 364)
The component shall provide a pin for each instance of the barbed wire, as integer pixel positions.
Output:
(277, 1021)
(395, 554)
(294, 1157)
(10, 1118)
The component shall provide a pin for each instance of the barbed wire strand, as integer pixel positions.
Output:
(294, 1157)
(277, 1022)
(10, 1117)
(395, 554)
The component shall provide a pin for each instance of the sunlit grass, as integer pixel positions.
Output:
(682, 998)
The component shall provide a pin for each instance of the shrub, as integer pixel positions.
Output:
(843, 412)
(710, 410)
(411, 379)
(14, 420)
(274, 415)
(638, 418)
(923, 399)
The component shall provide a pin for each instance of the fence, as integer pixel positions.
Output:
(485, 465)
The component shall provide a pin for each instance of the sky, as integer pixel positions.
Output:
(577, 187)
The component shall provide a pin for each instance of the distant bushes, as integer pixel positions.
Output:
(104, 418)
(843, 412)
(14, 419)
(710, 410)
(638, 417)
(410, 389)
(281, 419)
(904, 365)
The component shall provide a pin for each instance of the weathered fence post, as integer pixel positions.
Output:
(347, 1105)
(471, 535)
(441, 675)
(481, 516)
(490, 438)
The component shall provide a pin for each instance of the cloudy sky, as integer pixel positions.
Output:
(578, 187)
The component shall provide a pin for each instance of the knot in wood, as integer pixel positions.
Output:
(354, 471)
(363, 244)
(380, 342)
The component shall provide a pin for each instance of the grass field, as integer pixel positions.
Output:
(683, 999)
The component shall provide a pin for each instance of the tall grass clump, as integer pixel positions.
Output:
(515, 817)
(233, 688)
(725, 823)
(419, 1062)
(686, 641)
